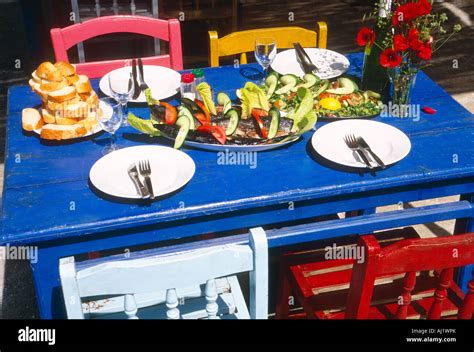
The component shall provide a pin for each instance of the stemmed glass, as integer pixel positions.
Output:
(122, 89)
(110, 116)
(265, 52)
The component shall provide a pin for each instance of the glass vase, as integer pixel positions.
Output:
(402, 83)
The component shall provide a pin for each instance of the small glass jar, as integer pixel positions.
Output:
(199, 78)
(198, 75)
(188, 86)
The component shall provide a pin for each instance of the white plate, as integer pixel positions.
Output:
(171, 170)
(237, 148)
(330, 63)
(388, 142)
(97, 127)
(163, 82)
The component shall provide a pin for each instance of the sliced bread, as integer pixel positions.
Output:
(37, 89)
(31, 119)
(63, 94)
(60, 132)
(49, 72)
(35, 77)
(65, 68)
(72, 79)
(49, 86)
(48, 116)
(83, 85)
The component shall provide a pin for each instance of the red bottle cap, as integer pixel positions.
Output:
(187, 78)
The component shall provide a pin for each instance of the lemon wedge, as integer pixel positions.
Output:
(330, 104)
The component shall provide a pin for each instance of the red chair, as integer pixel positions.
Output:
(65, 38)
(411, 279)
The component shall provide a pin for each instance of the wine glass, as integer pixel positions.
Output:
(122, 89)
(265, 52)
(110, 116)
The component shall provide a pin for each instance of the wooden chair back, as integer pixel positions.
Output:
(168, 275)
(411, 256)
(243, 42)
(65, 38)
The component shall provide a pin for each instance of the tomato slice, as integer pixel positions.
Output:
(171, 113)
(256, 113)
(217, 132)
(203, 108)
(201, 118)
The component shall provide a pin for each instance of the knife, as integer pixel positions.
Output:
(141, 189)
(363, 144)
(137, 92)
(301, 59)
(310, 66)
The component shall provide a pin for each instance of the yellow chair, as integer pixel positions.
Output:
(244, 41)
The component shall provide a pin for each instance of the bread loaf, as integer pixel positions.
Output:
(31, 119)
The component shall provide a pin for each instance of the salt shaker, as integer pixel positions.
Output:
(188, 86)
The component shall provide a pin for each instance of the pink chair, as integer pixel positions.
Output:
(65, 38)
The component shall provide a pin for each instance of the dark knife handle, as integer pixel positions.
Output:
(376, 158)
(140, 69)
(364, 158)
(136, 86)
(301, 58)
(149, 186)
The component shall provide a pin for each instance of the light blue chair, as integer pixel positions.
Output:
(158, 284)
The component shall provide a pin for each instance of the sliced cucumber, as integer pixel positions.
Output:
(271, 83)
(191, 105)
(183, 123)
(295, 88)
(324, 86)
(185, 111)
(274, 114)
(310, 80)
(289, 82)
(234, 119)
(346, 86)
(224, 100)
(373, 94)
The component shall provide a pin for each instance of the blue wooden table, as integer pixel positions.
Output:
(47, 201)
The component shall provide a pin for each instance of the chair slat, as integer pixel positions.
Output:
(467, 308)
(441, 293)
(408, 285)
(172, 304)
(211, 298)
(131, 308)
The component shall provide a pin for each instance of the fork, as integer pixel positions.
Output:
(352, 144)
(145, 171)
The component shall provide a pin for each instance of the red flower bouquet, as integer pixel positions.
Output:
(411, 41)
(413, 34)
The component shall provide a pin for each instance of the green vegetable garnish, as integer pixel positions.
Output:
(252, 97)
(145, 126)
(149, 99)
(206, 93)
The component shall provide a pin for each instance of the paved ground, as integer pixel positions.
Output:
(16, 290)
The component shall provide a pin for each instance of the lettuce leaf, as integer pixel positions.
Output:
(149, 99)
(306, 123)
(252, 97)
(144, 126)
(206, 93)
(306, 105)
